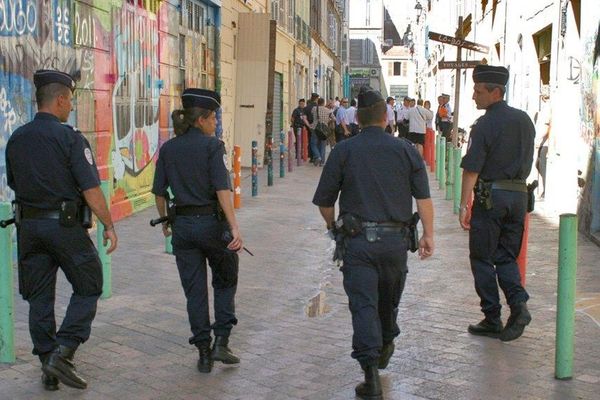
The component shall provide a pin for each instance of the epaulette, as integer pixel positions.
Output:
(72, 127)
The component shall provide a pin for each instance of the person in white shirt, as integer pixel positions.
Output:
(350, 122)
(341, 132)
(402, 118)
(418, 116)
(391, 117)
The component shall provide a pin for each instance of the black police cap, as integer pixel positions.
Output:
(44, 77)
(490, 74)
(367, 97)
(201, 98)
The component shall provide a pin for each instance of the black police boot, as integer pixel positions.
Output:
(60, 365)
(50, 383)
(384, 356)
(370, 389)
(487, 327)
(518, 320)
(220, 351)
(205, 362)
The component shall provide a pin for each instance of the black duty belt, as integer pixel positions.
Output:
(386, 226)
(195, 210)
(511, 185)
(38, 213)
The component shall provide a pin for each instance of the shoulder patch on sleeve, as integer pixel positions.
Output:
(88, 155)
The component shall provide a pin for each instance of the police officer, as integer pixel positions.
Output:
(498, 161)
(376, 176)
(53, 173)
(194, 166)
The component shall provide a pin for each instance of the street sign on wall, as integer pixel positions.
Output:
(458, 64)
(438, 37)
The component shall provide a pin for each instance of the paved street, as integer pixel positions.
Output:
(294, 331)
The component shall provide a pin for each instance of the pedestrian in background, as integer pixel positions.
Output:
(350, 122)
(498, 160)
(418, 117)
(445, 117)
(341, 131)
(320, 114)
(402, 118)
(194, 166)
(297, 120)
(376, 178)
(308, 121)
(51, 168)
(391, 126)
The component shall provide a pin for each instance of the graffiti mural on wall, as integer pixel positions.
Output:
(135, 101)
(136, 91)
(114, 50)
(33, 35)
(591, 88)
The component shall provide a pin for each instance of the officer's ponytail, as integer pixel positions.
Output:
(186, 118)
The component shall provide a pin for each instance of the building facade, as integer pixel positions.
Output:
(552, 51)
(133, 59)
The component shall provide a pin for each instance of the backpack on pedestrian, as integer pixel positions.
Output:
(322, 130)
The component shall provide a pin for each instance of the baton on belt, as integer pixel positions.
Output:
(6, 222)
(156, 221)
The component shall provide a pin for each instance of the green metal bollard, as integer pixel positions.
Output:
(450, 176)
(565, 309)
(106, 259)
(7, 309)
(457, 179)
(442, 178)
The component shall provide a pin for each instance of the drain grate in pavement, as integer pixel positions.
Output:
(317, 306)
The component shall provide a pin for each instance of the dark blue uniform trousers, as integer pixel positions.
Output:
(43, 247)
(374, 277)
(196, 239)
(494, 243)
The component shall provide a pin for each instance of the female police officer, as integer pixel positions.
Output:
(193, 166)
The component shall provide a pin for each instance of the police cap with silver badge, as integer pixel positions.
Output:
(44, 77)
(367, 97)
(201, 98)
(490, 74)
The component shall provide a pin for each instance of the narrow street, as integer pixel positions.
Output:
(294, 331)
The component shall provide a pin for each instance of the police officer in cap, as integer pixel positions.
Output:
(376, 177)
(51, 168)
(193, 165)
(498, 160)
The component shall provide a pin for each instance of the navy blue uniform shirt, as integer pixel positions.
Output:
(193, 165)
(48, 162)
(377, 175)
(501, 144)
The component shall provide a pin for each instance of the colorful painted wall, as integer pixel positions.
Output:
(131, 73)
(590, 118)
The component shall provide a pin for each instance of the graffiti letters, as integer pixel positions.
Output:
(85, 28)
(574, 70)
(7, 113)
(17, 17)
(63, 23)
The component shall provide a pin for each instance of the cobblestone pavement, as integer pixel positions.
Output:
(294, 332)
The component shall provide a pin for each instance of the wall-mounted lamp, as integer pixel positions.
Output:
(419, 10)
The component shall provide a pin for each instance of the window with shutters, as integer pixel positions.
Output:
(192, 16)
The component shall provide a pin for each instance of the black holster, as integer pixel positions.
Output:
(531, 195)
(483, 194)
(85, 215)
(413, 233)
